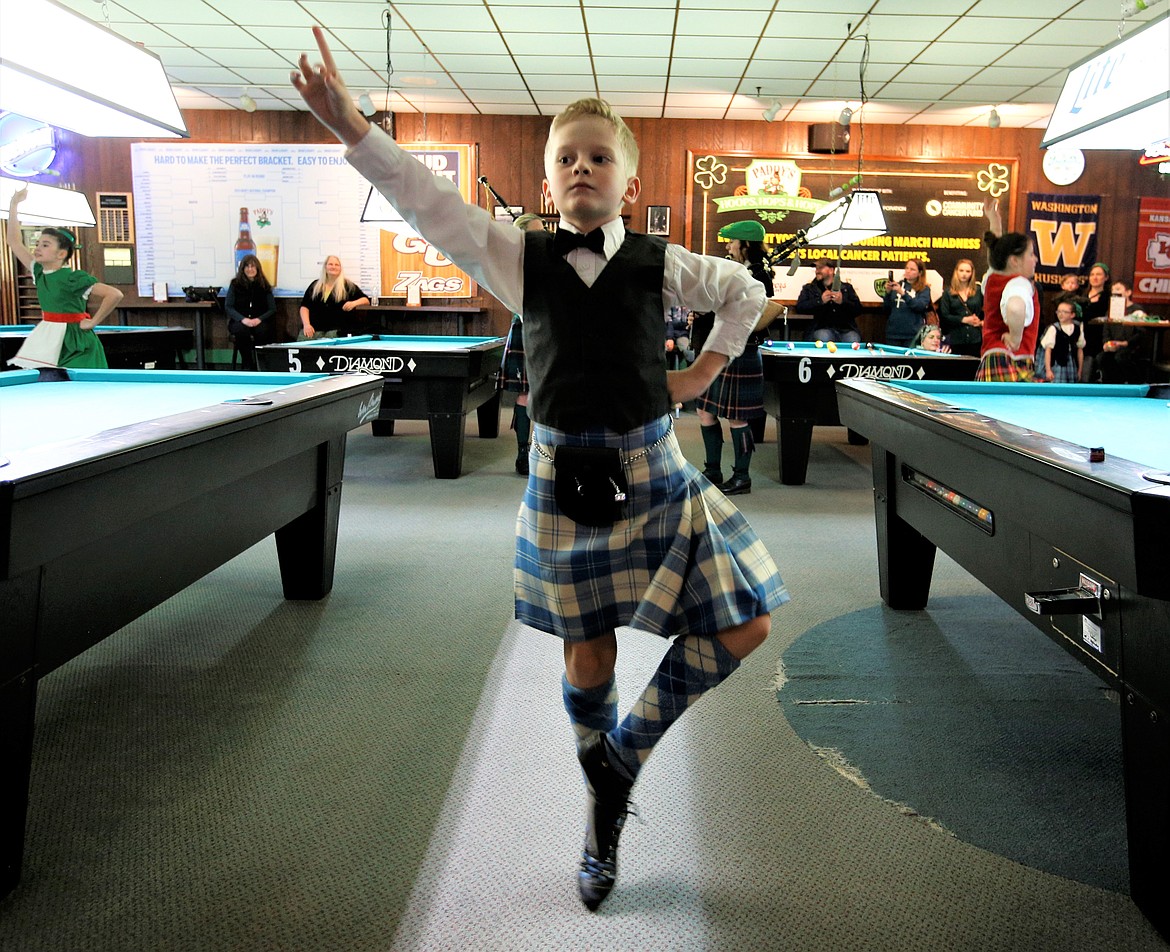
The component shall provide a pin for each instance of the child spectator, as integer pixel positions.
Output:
(1063, 344)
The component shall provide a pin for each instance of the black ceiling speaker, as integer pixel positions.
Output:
(828, 138)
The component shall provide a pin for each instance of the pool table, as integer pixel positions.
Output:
(119, 488)
(437, 379)
(125, 347)
(1057, 497)
(799, 389)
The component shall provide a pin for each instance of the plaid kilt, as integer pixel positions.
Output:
(682, 561)
(738, 392)
(512, 376)
(998, 366)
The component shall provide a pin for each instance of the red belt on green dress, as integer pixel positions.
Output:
(55, 318)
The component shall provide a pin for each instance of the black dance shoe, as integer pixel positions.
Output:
(714, 476)
(737, 485)
(606, 807)
(522, 461)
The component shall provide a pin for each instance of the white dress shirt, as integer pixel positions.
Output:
(492, 252)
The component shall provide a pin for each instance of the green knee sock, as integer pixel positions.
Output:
(745, 444)
(521, 424)
(713, 446)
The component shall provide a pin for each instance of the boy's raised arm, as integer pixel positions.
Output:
(325, 93)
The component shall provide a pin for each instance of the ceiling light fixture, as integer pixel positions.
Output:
(247, 103)
(366, 105)
(47, 73)
(993, 120)
(1131, 110)
(846, 117)
(772, 111)
(47, 204)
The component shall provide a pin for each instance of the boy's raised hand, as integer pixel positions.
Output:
(327, 96)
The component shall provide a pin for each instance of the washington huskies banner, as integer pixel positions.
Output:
(1065, 230)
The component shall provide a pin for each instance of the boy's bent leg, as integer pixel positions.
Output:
(693, 665)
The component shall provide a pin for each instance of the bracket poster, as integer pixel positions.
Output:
(195, 204)
(934, 211)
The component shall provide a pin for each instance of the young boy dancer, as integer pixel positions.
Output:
(667, 552)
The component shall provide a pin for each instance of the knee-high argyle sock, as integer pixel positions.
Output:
(592, 711)
(692, 666)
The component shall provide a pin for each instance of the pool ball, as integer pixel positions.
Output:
(856, 345)
(820, 343)
(832, 347)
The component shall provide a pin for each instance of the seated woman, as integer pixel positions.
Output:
(250, 308)
(328, 304)
(930, 338)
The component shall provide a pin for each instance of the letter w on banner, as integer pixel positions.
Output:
(1065, 230)
(1151, 269)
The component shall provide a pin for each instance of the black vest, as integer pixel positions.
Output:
(595, 356)
(1066, 344)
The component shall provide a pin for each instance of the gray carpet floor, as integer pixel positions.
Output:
(390, 768)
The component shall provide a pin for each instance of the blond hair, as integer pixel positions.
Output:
(338, 291)
(603, 110)
(972, 282)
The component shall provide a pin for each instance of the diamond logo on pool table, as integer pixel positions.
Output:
(320, 363)
(921, 372)
(831, 371)
(411, 364)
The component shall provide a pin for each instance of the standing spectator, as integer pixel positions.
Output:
(512, 376)
(737, 394)
(906, 302)
(1063, 345)
(960, 310)
(1096, 305)
(833, 304)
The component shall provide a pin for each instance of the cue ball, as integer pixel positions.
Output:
(820, 343)
(832, 347)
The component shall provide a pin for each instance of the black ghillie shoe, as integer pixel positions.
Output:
(522, 461)
(607, 805)
(737, 486)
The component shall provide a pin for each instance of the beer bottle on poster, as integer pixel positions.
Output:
(244, 244)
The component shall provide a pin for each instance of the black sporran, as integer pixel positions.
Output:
(590, 484)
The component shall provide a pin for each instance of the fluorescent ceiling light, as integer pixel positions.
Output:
(66, 70)
(854, 217)
(47, 205)
(1118, 98)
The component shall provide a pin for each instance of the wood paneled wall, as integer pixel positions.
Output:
(511, 156)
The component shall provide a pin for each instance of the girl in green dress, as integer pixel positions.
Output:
(64, 337)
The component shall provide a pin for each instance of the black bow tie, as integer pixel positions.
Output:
(565, 241)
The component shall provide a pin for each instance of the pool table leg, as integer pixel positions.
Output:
(793, 442)
(905, 556)
(447, 443)
(488, 414)
(19, 598)
(307, 546)
(1145, 743)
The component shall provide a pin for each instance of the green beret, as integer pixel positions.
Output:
(743, 230)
